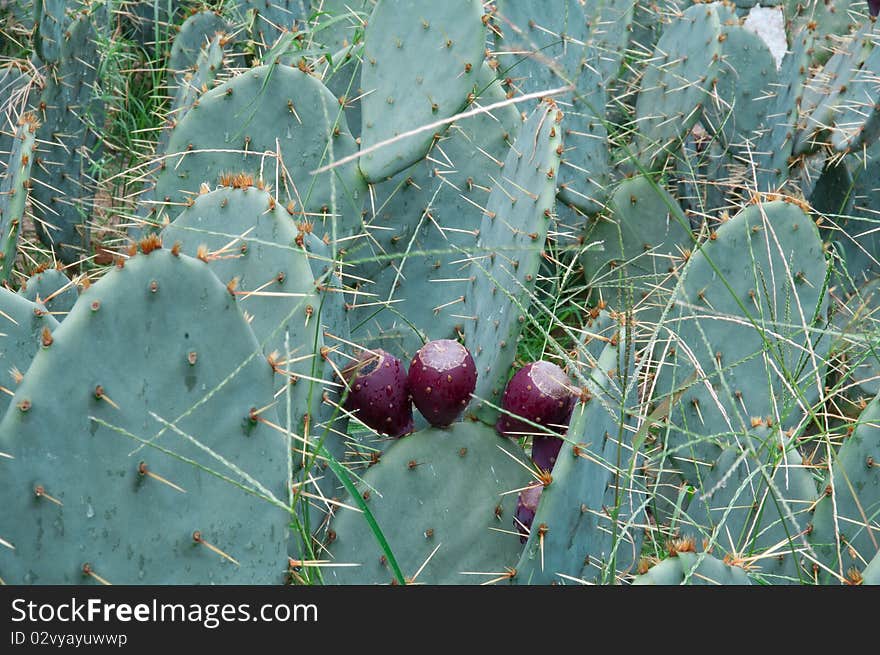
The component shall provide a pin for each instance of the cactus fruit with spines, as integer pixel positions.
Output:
(588, 523)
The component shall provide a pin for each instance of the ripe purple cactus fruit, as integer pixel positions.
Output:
(442, 377)
(541, 393)
(544, 451)
(873, 7)
(526, 506)
(379, 394)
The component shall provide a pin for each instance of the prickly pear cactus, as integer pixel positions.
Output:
(278, 124)
(441, 499)
(14, 192)
(173, 435)
(844, 527)
(23, 325)
(638, 244)
(690, 568)
(508, 253)
(414, 267)
(742, 342)
(759, 496)
(53, 289)
(676, 84)
(404, 94)
(68, 144)
(588, 525)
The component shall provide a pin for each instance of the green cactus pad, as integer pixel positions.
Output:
(22, 324)
(423, 217)
(67, 145)
(756, 503)
(676, 84)
(160, 339)
(14, 192)
(508, 254)
(775, 146)
(196, 32)
(871, 574)
(746, 78)
(53, 289)
(857, 344)
(404, 93)
(693, 569)
(743, 343)
(642, 238)
(845, 533)
(241, 124)
(443, 490)
(588, 526)
(824, 94)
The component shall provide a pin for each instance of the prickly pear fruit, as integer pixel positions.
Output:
(378, 393)
(539, 392)
(526, 506)
(442, 376)
(544, 451)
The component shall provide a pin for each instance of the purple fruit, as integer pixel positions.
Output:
(544, 451)
(442, 377)
(378, 393)
(873, 7)
(526, 506)
(539, 392)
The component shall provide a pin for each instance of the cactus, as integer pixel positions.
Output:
(695, 569)
(68, 142)
(641, 240)
(737, 107)
(187, 88)
(844, 527)
(776, 144)
(440, 497)
(250, 242)
(512, 233)
(242, 119)
(743, 296)
(857, 341)
(14, 192)
(587, 524)
(412, 272)
(403, 93)
(51, 288)
(204, 476)
(754, 505)
(22, 326)
(871, 574)
(677, 82)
